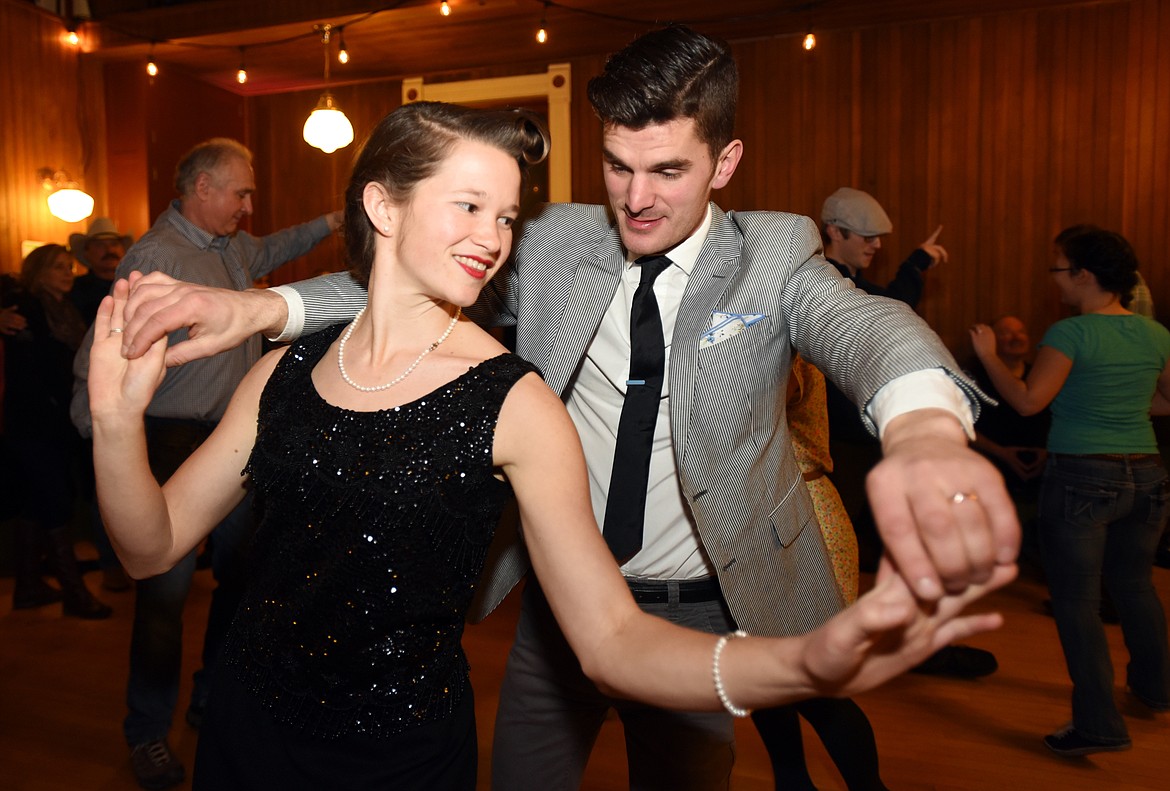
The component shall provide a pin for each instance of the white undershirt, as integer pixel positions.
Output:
(670, 541)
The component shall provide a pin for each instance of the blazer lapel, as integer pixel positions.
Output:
(717, 263)
(590, 293)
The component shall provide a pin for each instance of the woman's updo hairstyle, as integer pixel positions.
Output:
(1104, 253)
(409, 144)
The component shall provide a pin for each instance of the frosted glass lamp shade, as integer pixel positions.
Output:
(327, 128)
(70, 205)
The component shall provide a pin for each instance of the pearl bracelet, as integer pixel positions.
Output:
(720, 644)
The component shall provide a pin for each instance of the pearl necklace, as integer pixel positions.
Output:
(404, 374)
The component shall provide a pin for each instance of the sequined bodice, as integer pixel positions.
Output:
(374, 530)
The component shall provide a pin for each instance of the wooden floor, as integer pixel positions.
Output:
(62, 685)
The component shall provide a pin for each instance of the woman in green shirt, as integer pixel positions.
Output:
(1105, 496)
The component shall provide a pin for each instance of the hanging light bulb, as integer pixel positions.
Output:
(342, 52)
(70, 204)
(242, 73)
(810, 41)
(151, 66)
(327, 128)
(542, 34)
(71, 37)
(444, 9)
(66, 201)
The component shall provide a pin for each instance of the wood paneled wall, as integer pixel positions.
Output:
(51, 118)
(1003, 128)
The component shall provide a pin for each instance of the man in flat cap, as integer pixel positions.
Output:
(853, 224)
(100, 250)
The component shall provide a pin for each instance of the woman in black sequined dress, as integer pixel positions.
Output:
(379, 497)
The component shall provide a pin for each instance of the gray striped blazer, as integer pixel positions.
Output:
(727, 400)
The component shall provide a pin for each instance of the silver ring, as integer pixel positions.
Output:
(962, 497)
(115, 330)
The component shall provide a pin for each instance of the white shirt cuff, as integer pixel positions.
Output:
(296, 315)
(929, 389)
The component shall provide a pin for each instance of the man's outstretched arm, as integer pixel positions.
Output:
(221, 319)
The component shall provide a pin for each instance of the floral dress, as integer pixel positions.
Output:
(808, 423)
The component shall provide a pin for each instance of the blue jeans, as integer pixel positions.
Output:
(1100, 518)
(156, 643)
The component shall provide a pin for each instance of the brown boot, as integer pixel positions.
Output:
(79, 602)
(30, 589)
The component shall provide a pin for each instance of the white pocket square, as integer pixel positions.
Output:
(727, 325)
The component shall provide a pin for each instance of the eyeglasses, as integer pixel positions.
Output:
(1060, 269)
(846, 231)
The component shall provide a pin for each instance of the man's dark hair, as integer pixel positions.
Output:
(670, 74)
(1104, 253)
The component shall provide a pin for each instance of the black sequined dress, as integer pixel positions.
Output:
(374, 530)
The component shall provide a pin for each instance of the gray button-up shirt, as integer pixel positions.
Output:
(201, 390)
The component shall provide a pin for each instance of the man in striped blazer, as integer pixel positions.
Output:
(729, 536)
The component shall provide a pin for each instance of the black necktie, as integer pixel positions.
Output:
(625, 509)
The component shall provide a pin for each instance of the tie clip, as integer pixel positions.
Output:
(635, 382)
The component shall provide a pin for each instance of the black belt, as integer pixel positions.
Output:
(1107, 456)
(689, 591)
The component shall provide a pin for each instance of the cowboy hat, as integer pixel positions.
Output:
(99, 228)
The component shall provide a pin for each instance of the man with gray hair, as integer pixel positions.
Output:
(196, 239)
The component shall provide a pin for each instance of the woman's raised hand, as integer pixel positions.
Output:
(119, 387)
(888, 631)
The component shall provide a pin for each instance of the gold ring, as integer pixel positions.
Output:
(962, 497)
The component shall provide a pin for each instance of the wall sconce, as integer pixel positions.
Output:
(66, 201)
(327, 128)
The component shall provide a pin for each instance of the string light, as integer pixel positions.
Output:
(542, 34)
(71, 36)
(242, 74)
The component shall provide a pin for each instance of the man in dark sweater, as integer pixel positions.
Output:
(852, 226)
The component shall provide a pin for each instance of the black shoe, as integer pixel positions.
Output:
(194, 715)
(155, 766)
(1149, 703)
(958, 661)
(27, 595)
(86, 607)
(1070, 743)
